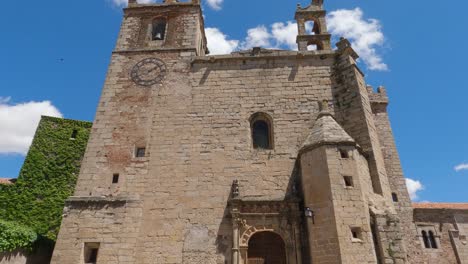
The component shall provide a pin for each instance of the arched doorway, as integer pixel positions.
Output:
(266, 248)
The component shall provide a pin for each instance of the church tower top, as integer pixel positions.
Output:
(319, 35)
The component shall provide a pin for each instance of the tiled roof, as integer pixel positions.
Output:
(455, 206)
(5, 181)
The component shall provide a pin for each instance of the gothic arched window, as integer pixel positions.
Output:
(262, 131)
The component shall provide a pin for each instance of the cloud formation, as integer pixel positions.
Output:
(365, 36)
(414, 187)
(218, 42)
(19, 122)
(215, 4)
(463, 166)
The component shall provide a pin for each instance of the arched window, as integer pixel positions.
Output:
(427, 243)
(158, 31)
(262, 131)
(432, 240)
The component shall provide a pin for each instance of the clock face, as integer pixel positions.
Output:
(148, 72)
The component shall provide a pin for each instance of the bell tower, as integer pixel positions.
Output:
(169, 25)
(149, 71)
(319, 35)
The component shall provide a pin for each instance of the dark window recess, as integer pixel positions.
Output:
(74, 134)
(140, 152)
(432, 240)
(348, 180)
(395, 197)
(261, 135)
(344, 154)
(159, 30)
(425, 237)
(91, 251)
(356, 232)
(115, 178)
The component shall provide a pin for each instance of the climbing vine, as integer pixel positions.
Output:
(14, 236)
(47, 178)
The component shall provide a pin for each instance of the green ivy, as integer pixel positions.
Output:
(14, 236)
(47, 178)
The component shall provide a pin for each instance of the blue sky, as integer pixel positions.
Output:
(54, 56)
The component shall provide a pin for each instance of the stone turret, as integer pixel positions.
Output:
(333, 187)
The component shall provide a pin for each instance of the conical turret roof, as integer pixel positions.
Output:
(326, 131)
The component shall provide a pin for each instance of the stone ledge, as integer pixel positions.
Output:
(102, 199)
(274, 54)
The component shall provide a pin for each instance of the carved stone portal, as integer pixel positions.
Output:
(277, 218)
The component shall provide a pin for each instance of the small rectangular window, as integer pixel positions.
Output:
(91, 251)
(395, 197)
(348, 180)
(140, 152)
(356, 233)
(74, 134)
(344, 154)
(115, 178)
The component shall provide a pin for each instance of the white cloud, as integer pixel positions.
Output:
(218, 42)
(19, 122)
(285, 34)
(215, 4)
(257, 37)
(414, 187)
(463, 166)
(365, 35)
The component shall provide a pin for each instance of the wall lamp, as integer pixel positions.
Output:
(309, 214)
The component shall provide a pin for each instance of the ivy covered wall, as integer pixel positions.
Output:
(47, 178)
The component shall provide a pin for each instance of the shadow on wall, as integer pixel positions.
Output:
(42, 254)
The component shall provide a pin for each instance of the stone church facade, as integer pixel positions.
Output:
(260, 156)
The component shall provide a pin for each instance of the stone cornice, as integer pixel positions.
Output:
(272, 55)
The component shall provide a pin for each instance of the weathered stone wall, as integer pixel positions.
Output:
(112, 222)
(444, 223)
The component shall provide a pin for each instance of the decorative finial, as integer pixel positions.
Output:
(324, 106)
(235, 189)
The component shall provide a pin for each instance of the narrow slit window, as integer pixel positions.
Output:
(115, 178)
(432, 240)
(159, 29)
(91, 251)
(140, 152)
(395, 197)
(425, 237)
(348, 180)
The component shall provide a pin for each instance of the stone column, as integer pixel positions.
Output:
(297, 241)
(301, 27)
(235, 236)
